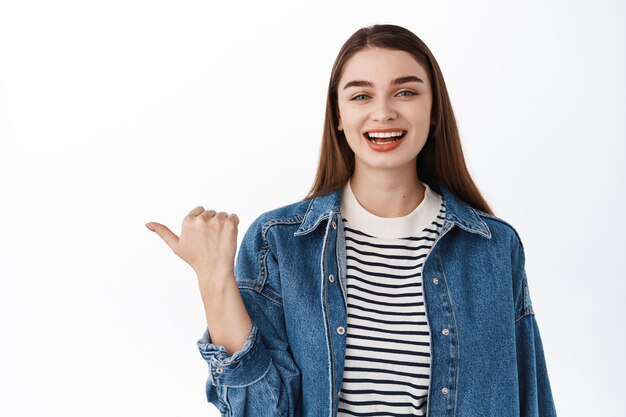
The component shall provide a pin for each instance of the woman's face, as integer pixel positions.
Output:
(384, 89)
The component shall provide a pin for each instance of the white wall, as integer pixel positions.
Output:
(116, 113)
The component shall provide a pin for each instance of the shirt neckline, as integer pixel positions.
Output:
(390, 227)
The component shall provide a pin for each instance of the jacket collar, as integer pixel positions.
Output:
(457, 211)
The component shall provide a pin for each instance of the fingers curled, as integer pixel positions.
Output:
(233, 218)
(208, 214)
(195, 212)
(221, 215)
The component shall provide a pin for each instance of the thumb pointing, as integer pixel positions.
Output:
(166, 234)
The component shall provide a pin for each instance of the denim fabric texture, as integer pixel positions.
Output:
(487, 355)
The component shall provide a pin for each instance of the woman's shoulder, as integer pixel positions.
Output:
(287, 214)
(498, 226)
(307, 212)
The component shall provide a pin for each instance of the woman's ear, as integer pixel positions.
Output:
(339, 127)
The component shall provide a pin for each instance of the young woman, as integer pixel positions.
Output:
(391, 289)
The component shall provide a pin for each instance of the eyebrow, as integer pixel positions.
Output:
(396, 81)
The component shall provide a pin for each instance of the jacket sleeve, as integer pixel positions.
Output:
(261, 379)
(535, 394)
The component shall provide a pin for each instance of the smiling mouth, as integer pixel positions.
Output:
(384, 140)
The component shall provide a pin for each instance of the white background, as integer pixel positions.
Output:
(116, 113)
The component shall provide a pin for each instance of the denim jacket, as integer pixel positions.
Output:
(291, 273)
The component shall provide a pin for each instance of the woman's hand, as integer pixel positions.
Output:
(208, 242)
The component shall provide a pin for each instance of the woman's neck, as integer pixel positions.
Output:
(387, 194)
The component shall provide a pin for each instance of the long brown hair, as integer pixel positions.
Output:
(441, 159)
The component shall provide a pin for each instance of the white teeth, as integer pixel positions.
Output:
(384, 135)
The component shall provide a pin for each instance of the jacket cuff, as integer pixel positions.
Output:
(243, 368)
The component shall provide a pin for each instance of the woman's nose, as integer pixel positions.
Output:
(383, 111)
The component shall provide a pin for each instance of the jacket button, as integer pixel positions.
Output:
(445, 332)
(341, 330)
(334, 225)
(219, 370)
(435, 281)
(444, 390)
(331, 278)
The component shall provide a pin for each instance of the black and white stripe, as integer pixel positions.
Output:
(388, 355)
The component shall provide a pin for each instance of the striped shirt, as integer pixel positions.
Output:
(387, 364)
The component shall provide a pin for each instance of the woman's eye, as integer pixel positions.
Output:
(410, 93)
